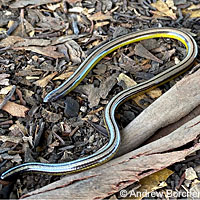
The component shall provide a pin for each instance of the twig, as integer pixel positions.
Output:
(8, 97)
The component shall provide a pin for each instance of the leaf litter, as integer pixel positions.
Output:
(53, 38)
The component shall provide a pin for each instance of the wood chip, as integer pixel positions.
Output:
(13, 139)
(15, 109)
(43, 82)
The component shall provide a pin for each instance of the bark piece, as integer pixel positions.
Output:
(107, 179)
(169, 108)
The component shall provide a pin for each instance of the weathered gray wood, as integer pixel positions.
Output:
(176, 103)
(107, 179)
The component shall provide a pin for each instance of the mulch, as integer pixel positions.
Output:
(43, 42)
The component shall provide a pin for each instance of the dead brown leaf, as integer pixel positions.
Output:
(50, 116)
(10, 41)
(4, 82)
(152, 182)
(74, 51)
(5, 90)
(49, 23)
(23, 3)
(170, 4)
(14, 139)
(127, 80)
(73, 1)
(32, 42)
(99, 24)
(140, 50)
(43, 82)
(16, 41)
(163, 9)
(49, 51)
(155, 93)
(100, 16)
(63, 76)
(53, 7)
(193, 10)
(15, 109)
(194, 7)
(3, 79)
(107, 85)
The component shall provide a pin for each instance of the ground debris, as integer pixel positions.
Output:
(42, 43)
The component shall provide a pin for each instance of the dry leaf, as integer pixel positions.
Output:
(5, 90)
(193, 10)
(77, 10)
(43, 82)
(100, 16)
(29, 28)
(28, 93)
(47, 51)
(23, 3)
(155, 93)
(138, 99)
(129, 83)
(194, 14)
(127, 80)
(194, 7)
(22, 128)
(10, 41)
(107, 85)
(14, 139)
(140, 50)
(10, 23)
(15, 109)
(73, 1)
(2, 30)
(170, 4)
(63, 76)
(16, 159)
(99, 24)
(28, 139)
(53, 7)
(190, 174)
(4, 82)
(152, 182)
(50, 116)
(3, 76)
(31, 77)
(32, 42)
(75, 52)
(163, 9)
